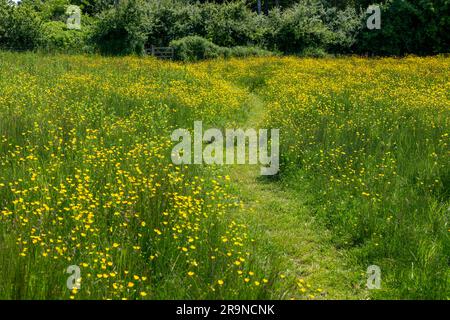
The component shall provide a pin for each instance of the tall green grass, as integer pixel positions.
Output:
(86, 179)
(369, 139)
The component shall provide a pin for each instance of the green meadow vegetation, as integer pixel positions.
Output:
(86, 178)
(93, 207)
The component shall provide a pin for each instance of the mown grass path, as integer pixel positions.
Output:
(287, 230)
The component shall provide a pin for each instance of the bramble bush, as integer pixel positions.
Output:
(419, 27)
(170, 21)
(57, 38)
(123, 30)
(20, 26)
(228, 24)
(299, 27)
(232, 24)
(306, 27)
(194, 48)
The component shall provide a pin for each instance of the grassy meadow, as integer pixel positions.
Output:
(86, 178)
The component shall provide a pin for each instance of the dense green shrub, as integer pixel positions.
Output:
(174, 20)
(419, 27)
(5, 13)
(228, 24)
(123, 29)
(194, 48)
(299, 27)
(93, 7)
(312, 52)
(58, 38)
(51, 10)
(306, 27)
(232, 24)
(20, 26)
(345, 25)
(249, 51)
